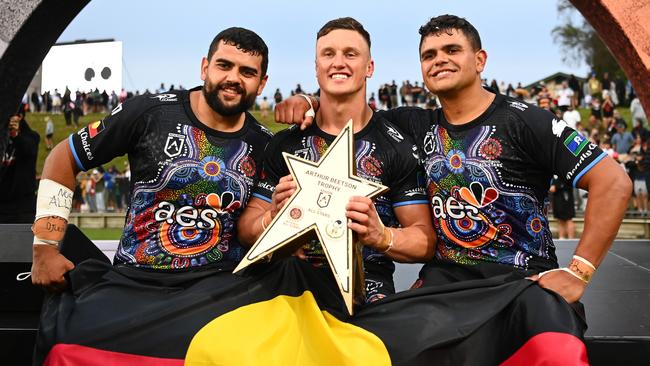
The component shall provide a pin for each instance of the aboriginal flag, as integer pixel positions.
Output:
(290, 313)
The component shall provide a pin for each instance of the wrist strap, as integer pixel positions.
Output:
(39, 241)
(584, 261)
(388, 240)
(310, 112)
(54, 199)
(564, 269)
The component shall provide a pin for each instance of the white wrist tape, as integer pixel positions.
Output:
(54, 199)
(39, 241)
(310, 112)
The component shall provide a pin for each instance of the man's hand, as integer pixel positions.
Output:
(285, 188)
(365, 222)
(562, 283)
(292, 111)
(48, 268)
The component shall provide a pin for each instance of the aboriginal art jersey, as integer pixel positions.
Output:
(488, 180)
(383, 155)
(189, 183)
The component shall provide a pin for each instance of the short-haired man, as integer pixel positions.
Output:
(195, 157)
(383, 155)
(489, 160)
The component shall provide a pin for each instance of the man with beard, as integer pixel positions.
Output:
(489, 160)
(194, 158)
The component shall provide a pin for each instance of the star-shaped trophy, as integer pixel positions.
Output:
(318, 205)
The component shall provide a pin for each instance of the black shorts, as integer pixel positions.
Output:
(563, 205)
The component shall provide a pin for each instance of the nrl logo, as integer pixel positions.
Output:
(174, 144)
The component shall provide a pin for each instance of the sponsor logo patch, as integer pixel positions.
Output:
(95, 128)
(575, 143)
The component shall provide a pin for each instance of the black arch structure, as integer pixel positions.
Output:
(27, 45)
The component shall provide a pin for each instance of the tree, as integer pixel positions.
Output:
(580, 43)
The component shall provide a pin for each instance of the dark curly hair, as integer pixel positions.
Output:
(447, 23)
(245, 40)
(346, 23)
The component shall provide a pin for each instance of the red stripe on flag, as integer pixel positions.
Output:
(73, 355)
(550, 348)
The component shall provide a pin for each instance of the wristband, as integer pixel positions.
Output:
(584, 261)
(310, 112)
(39, 241)
(582, 270)
(54, 199)
(563, 269)
(387, 242)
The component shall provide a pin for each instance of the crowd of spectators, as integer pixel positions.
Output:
(102, 190)
(107, 190)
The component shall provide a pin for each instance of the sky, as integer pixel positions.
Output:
(164, 41)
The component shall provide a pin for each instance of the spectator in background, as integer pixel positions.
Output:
(49, 132)
(265, 107)
(563, 207)
(124, 183)
(639, 131)
(277, 96)
(372, 102)
(574, 84)
(100, 198)
(572, 117)
(637, 111)
(403, 92)
(594, 85)
(595, 118)
(502, 88)
(605, 83)
(416, 90)
(494, 86)
(393, 94)
(56, 102)
(109, 188)
(638, 174)
(18, 171)
(622, 141)
(68, 108)
(89, 192)
(544, 100)
(608, 109)
(564, 97)
(36, 101)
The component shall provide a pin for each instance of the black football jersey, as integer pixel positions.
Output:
(488, 180)
(189, 183)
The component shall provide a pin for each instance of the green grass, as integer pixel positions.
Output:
(61, 132)
(102, 234)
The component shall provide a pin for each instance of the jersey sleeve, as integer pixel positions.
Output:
(558, 147)
(407, 179)
(273, 168)
(101, 141)
(414, 121)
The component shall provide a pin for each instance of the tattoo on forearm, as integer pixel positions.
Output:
(54, 227)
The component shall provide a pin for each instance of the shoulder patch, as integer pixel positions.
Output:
(167, 97)
(517, 105)
(558, 127)
(392, 132)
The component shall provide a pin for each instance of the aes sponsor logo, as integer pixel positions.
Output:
(186, 216)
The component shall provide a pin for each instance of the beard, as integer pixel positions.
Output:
(211, 94)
